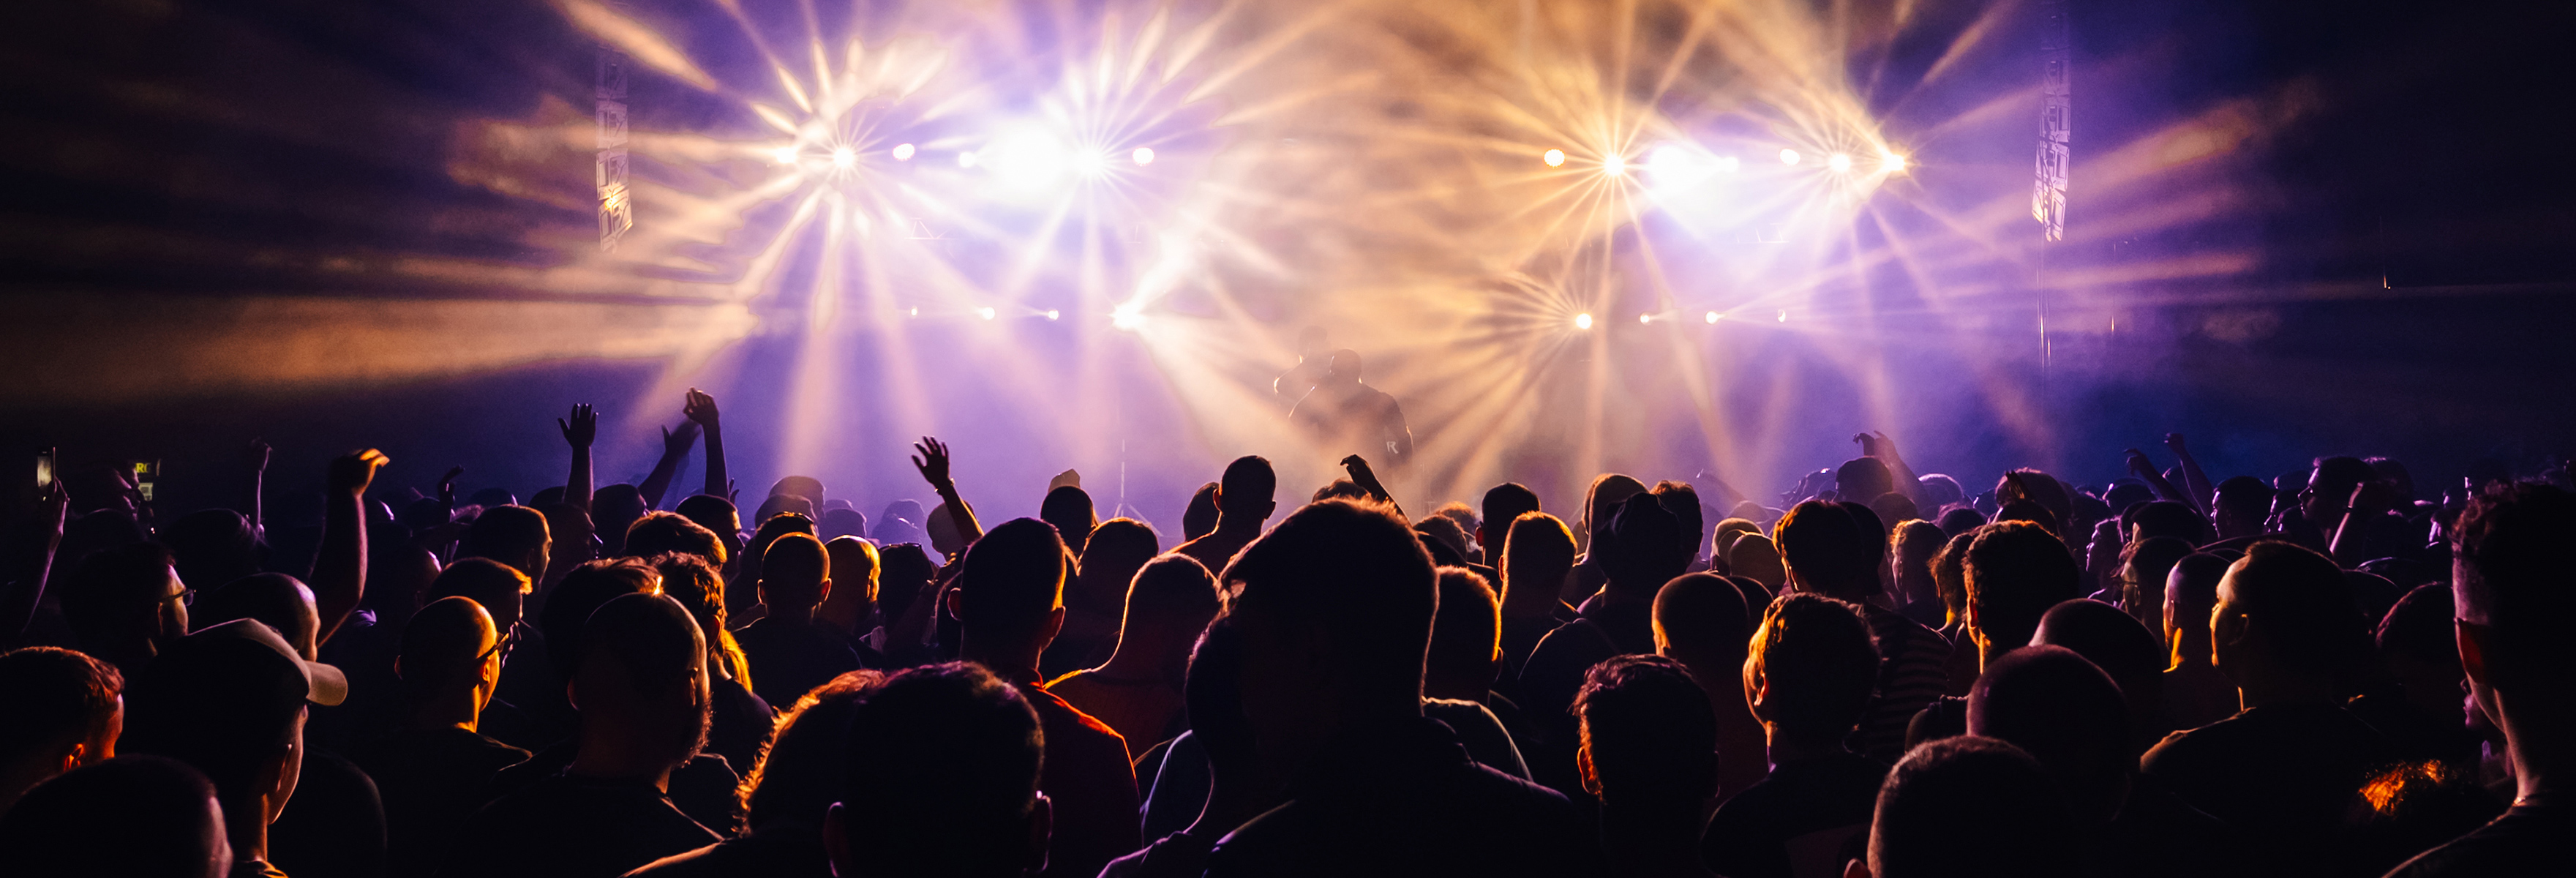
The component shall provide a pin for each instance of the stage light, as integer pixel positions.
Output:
(965, 159)
(1788, 156)
(843, 158)
(1144, 155)
(985, 312)
(916, 312)
(1713, 316)
(1729, 164)
(1614, 166)
(1091, 164)
(1784, 316)
(1839, 162)
(785, 155)
(1645, 319)
(1053, 314)
(1128, 318)
(903, 152)
(1891, 162)
(1583, 321)
(1553, 158)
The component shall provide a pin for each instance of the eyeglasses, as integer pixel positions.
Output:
(501, 645)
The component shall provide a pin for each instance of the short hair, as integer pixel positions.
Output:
(283, 602)
(2144, 564)
(1506, 503)
(1753, 556)
(2060, 708)
(1649, 730)
(793, 569)
(902, 569)
(1916, 541)
(854, 565)
(1069, 509)
(1012, 578)
(441, 644)
(211, 547)
(564, 621)
(1863, 479)
(1248, 484)
(2419, 627)
(1950, 571)
(1698, 610)
(484, 580)
(1969, 806)
(657, 648)
(2165, 518)
(1309, 573)
(808, 487)
(799, 774)
(1608, 490)
(2192, 587)
(841, 522)
(506, 534)
(1467, 627)
(2513, 573)
(2340, 472)
(2246, 495)
(2016, 571)
(1536, 541)
(138, 816)
(1340, 489)
(1682, 500)
(1890, 508)
(2298, 599)
(1168, 589)
(111, 588)
(714, 513)
(224, 705)
(1640, 547)
(1820, 662)
(773, 528)
(941, 771)
(58, 697)
(1443, 537)
(1961, 520)
(1828, 549)
(659, 532)
(1940, 489)
(1198, 519)
(783, 504)
(2112, 640)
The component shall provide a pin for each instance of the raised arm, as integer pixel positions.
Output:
(1876, 444)
(255, 459)
(675, 445)
(1366, 478)
(932, 461)
(29, 556)
(579, 433)
(702, 411)
(2204, 493)
(2347, 540)
(2146, 469)
(339, 575)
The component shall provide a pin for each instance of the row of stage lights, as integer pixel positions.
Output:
(1130, 319)
(1584, 321)
(847, 158)
(1671, 160)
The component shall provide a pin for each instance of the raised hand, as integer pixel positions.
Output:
(677, 442)
(583, 429)
(701, 409)
(255, 457)
(447, 486)
(2139, 464)
(2174, 443)
(932, 461)
(351, 473)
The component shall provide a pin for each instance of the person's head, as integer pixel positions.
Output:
(1212, 695)
(1199, 518)
(1682, 500)
(2067, 714)
(1537, 566)
(1911, 551)
(795, 575)
(855, 567)
(1312, 664)
(1892, 509)
(904, 569)
(1863, 479)
(282, 601)
(1503, 505)
(1950, 573)
(2330, 484)
(2039, 488)
(1811, 668)
(1648, 739)
(134, 817)
(211, 547)
(1346, 369)
(1701, 621)
(1961, 519)
(841, 522)
(513, 535)
(1641, 548)
(2191, 592)
(799, 775)
(2116, 643)
(1608, 491)
(1168, 603)
(1728, 531)
(783, 504)
(2395, 474)
(228, 700)
(582, 592)
(2144, 565)
(2283, 614)
(659, 532)
(67, 710)
(1244, 496)
(1940, 490)
(717, 515)
(1970, 807)
(1466, 638)
(1118, 548)
(126, 603)
(1069, 509)
(2511, 588)
(616, 507)
(2014, 572)
(2125, 493)
(450, 663)
(641, 685)
(500, 588)
(1340, 489)
(940, 778)
(1755, 557)
(2166, 518)
(1827, 551)
(2244, 502)
(808, 487)
(1010, 596)
(1444, 538)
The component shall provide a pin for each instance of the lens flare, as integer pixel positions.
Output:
(1614, 165)
(966, 159)
(1583, 321)
(1553, 158)
(844, 158)
(1839, 162)
(1144, 155)
(1788, 156)
(1712, 317)
(985, 312)
(1891, 162)
(903, 152)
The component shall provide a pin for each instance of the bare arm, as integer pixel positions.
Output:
(2369, 500)
(702, 410)
(1367, 480)
(339, 576)
(675, 445)
(30, 560)
(2203, 491)
(1876, 444)
(2146, 469)
(933, 463)
(255, 458)
(580, 433)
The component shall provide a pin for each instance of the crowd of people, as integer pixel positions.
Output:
(1878, 674)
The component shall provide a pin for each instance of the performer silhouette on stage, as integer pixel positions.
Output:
(1344, 413)
(1312, 362)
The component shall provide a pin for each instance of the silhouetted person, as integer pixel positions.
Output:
(339, 830)
(941, 779)
(126, 604)
(1335, 700)
(211, 547)
(2510, 582)
(1755, 557)
(1314, 362)
(1968, 808)
(1348, 415)
(1701, 621)
(1069, 509)
(791, 652)
(739, 723)
(1829, 550)
(851, 609)
(229, 700)
(513, 535)
(1244, 501)
(1503, 505)
(1138, 692)
(1219, 748)
(786, 793)
(433, 766)
(1198, 519)
(2195, 693)
(1459, 670)
(132, 817)
(66, 710)
(2114, 642)
(2417, 702)
(1809, 680)
(659, 532)
(1009, 601)
(1532, 576)
(1912, 547)
(1095, 600)
(2288, 769)
(1636, 550)
(1649, 755)
(2243, 503)
(641, 683)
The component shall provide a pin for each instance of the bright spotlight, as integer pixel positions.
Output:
(1891, 161)
(965, 159)
(1583, 321)
(1645, 318)
(916, 312)
(1093, 165)
(984, 312)
(1033, 160)
(1614, 166)
(1553, 158)
(844, 158)
(1839, 162)
(785, 155)
(1729, 164)
(1788, 156)
(1713, 316)
(1784, 316)
(1144, 155)
(1053, 314)
(903, 152)
(1127, 318)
